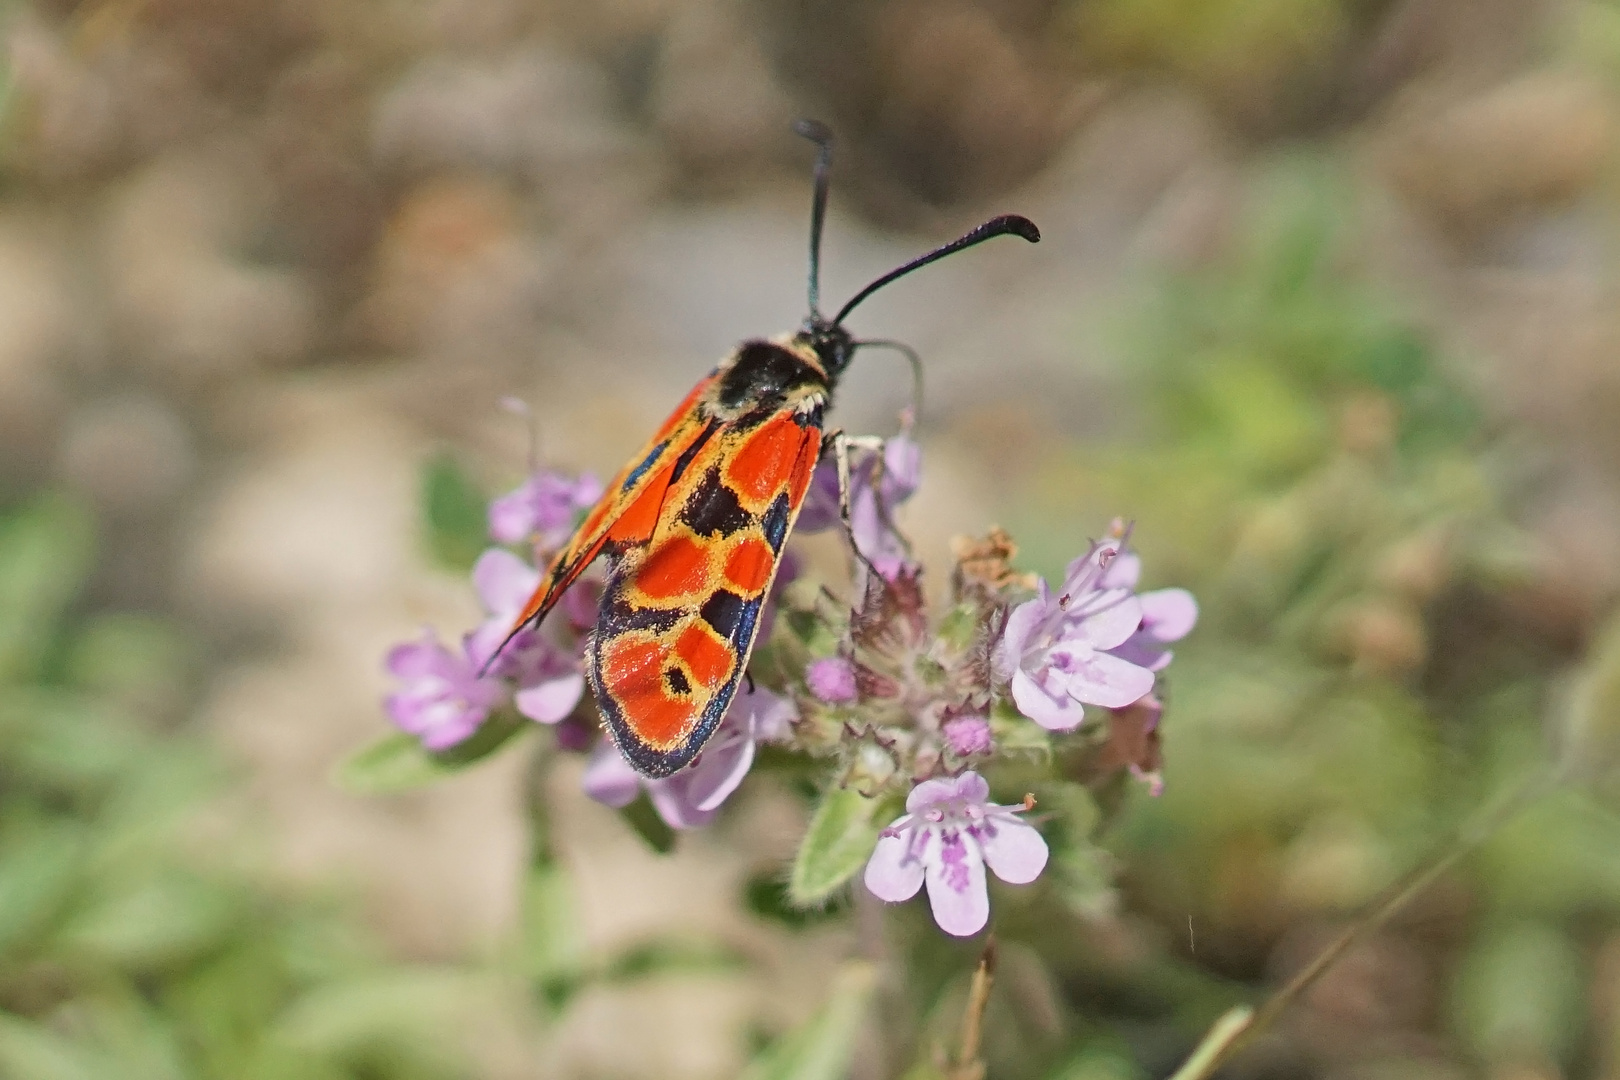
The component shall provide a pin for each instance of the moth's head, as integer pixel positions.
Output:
(833, 345)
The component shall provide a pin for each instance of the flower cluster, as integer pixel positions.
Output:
(446, 696)
(896, 701)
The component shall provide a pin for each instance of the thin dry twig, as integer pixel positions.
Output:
(1237, 1027)
(969, 1065)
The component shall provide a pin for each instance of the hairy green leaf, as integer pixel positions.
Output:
(840, 839)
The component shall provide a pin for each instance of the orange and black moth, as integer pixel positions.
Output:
(694, 526)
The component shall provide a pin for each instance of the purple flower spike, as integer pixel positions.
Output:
(543, 508)
(832, 680)
(443, 700)
(949, 834)
(549, 681)
(1055, 649)
(690, 798)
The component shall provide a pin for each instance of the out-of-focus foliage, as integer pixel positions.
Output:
(136, 939)
(1373, 660)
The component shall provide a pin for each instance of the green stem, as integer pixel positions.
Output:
(1234, 1029)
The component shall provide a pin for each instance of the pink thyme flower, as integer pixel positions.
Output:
(443, 700)
(1168, 615)
(690, 798)
(832, 680)
(542, 508)
(548, 677)
(878, 482)
(949, 834)
(1055, 650)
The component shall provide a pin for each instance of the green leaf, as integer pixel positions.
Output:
(36, 1052)
(137, 660)
(397, 762)
(152, 923)
(553, 944)
(643, 818)
(454, 513)
(766, 895)
(840, 839)
(670, 956)
(1519, 993)
(822, 1049)
(46, 551)
(398, 1007)
(38, 872)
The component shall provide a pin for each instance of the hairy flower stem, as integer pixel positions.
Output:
(969, 1065)
(1238, 1026)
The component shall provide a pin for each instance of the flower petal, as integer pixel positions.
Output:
(587, 490)
(954, 872)
(503, 581)
(552, 699)
(894, 873)
(719, 772)
(609, 779)
(928, 793)
(512, 516)
(902, 469)
(1052, 713)
(1012, 848)
(973, 788)
(1169, 614)
(820, 509)
(1123, 571)
(1107, 626)
(417, 659)
(1108, 681)
(1022, 625)
(674, 803)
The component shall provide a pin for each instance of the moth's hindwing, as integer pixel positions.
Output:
(680, 614)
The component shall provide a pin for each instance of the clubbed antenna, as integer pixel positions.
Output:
(821, 135)
(1007, 224)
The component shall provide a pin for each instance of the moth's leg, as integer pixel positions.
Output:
(842, 444)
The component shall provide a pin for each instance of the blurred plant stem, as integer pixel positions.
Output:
(1239, 1025)
(969, 1065)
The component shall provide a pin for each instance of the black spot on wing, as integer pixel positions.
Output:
(775, 523)
(725, 611)
(617, 616)
(676, 680)
(641, 470)
(713, 509)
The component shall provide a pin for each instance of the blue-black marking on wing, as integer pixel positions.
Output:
(775, 522)
(646, 463)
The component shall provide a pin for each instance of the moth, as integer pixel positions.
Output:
(694, 525)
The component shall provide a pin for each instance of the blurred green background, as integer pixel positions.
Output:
(1326, 305)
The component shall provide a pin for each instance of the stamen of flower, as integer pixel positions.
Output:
(1029, 800)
